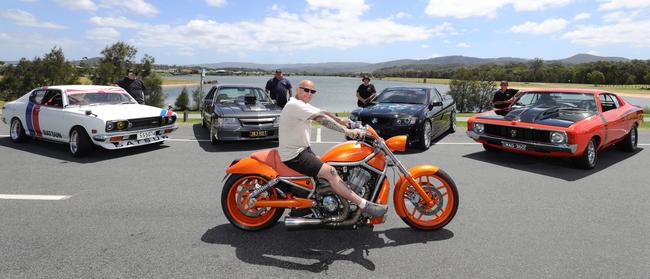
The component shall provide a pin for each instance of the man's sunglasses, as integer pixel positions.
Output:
(307, 90)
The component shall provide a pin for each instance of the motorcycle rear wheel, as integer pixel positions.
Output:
(234, 202)
(442, 189)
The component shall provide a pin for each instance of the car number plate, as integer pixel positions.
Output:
(513, 145)
(145, 135)
(257, 134)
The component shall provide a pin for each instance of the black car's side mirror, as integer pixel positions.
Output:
(435, 104)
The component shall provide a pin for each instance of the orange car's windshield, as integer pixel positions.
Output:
(562, 100)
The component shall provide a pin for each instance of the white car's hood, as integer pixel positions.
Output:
(124, 111)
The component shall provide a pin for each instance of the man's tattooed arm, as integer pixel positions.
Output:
(327, 121)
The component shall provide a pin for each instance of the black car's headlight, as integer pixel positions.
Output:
(558, 137)
(117, 125)
(406, 121)
(354, 117)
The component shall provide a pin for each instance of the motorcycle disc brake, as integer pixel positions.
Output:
(243, 201)
(415, 199)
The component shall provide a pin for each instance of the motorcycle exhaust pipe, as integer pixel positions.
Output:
(298, 223)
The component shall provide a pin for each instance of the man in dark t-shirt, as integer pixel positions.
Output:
(366, 93)
(504, 96)
(133, 86)
(279, 88)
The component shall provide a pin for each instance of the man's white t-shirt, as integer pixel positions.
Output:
(295, 131)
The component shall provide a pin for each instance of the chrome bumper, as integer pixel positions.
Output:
(530, 146)
(160, 130)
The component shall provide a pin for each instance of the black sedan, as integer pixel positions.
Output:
(422, 113)
(239, 113)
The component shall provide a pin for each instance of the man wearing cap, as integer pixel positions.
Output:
(366, 93)
(133, 86)
(278, 88)
(504, 96)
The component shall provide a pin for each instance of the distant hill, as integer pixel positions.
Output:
(356, 67)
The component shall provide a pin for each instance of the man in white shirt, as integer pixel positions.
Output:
(295, 149)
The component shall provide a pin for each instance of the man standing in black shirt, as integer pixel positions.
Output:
(366, 93)
(278, 88)
(504, 96)
(134, 86)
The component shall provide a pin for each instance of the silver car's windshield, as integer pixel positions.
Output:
(562, 100)
(403, 96)
(100, 98)
(234, 94)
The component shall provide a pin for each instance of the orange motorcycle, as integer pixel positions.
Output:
(260, 187)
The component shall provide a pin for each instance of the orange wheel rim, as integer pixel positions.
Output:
(442, 194)
(242, 213)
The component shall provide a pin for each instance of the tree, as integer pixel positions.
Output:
(153, 94)
(596, 77)
(647, 78)
(196, 97)
(182, 101)
(118, 58)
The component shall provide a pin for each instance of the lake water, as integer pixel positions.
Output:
(335, 94)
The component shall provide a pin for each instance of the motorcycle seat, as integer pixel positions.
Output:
(271, 157)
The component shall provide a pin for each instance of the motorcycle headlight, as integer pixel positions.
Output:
(227, 121)
(478, 128)
(558, 137)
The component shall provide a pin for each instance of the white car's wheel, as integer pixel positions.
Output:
(16, 131)
(80, 144)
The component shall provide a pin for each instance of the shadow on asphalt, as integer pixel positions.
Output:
(412, 149)
(203, 135)
(61, 152)
(562, 168)
(315, 250)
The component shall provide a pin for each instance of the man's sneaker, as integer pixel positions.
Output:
(374, 210)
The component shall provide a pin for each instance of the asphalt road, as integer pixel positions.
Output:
(154, 212)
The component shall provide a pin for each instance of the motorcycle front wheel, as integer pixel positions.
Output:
(441, 189)
(236, 207)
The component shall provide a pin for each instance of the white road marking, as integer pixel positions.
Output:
(34, 197)
(318, 135)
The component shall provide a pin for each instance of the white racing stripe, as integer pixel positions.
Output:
(34, 197)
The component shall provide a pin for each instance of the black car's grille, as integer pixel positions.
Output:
(517, 133)
(144, 123)
(381, 121)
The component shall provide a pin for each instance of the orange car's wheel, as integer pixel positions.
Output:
(442, 189)
(236, 206)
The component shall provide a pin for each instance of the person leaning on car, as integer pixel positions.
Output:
(366, 93)
(133, 86)
(504, 96)
(278, 88)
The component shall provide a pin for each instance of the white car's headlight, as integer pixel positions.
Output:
(227, 121)
(558, 137)
(478, 128)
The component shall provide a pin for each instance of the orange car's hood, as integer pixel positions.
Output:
(551, 116)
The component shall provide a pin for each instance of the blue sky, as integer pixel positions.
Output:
(295, 31)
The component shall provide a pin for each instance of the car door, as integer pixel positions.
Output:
(51, 115)
(435, 111)
(207, 108)
(612, 116)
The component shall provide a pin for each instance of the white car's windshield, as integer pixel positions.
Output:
(562, 100)
(103, 98)
(233, 94)
(403, 96)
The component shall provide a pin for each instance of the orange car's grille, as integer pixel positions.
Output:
(517, 133)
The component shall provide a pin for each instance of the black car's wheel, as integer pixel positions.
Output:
(490, 148)
(426, 136)
(630, 141)
(16, 131)
(80, 144)
(589, 157)
(452, 123)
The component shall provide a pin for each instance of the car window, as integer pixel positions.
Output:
(53, 98)
(403, 96)
(210, 94)
(607, 102)
(37, 96)
(435, 96)
(562, 100)
(235, 94)
(92, 98)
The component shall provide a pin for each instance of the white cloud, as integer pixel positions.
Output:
(424, 46)
(546, 27)
(104, 34)
(485, 8)
(631, 33)
(403, 15)
(216, 3)
(620, 16)
(275, 8)
(608, 5)
(84, 5)
(463, 45)
(593, 52)
(135, 6)
(434, 55)
(582, 16)
(23, 18)
(117, 22)
(324, 24)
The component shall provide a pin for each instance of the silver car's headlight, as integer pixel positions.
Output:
(276, 122)
(478, 128)
(558, 137)
(227, 121)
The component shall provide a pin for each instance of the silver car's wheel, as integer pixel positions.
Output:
(74, 142)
